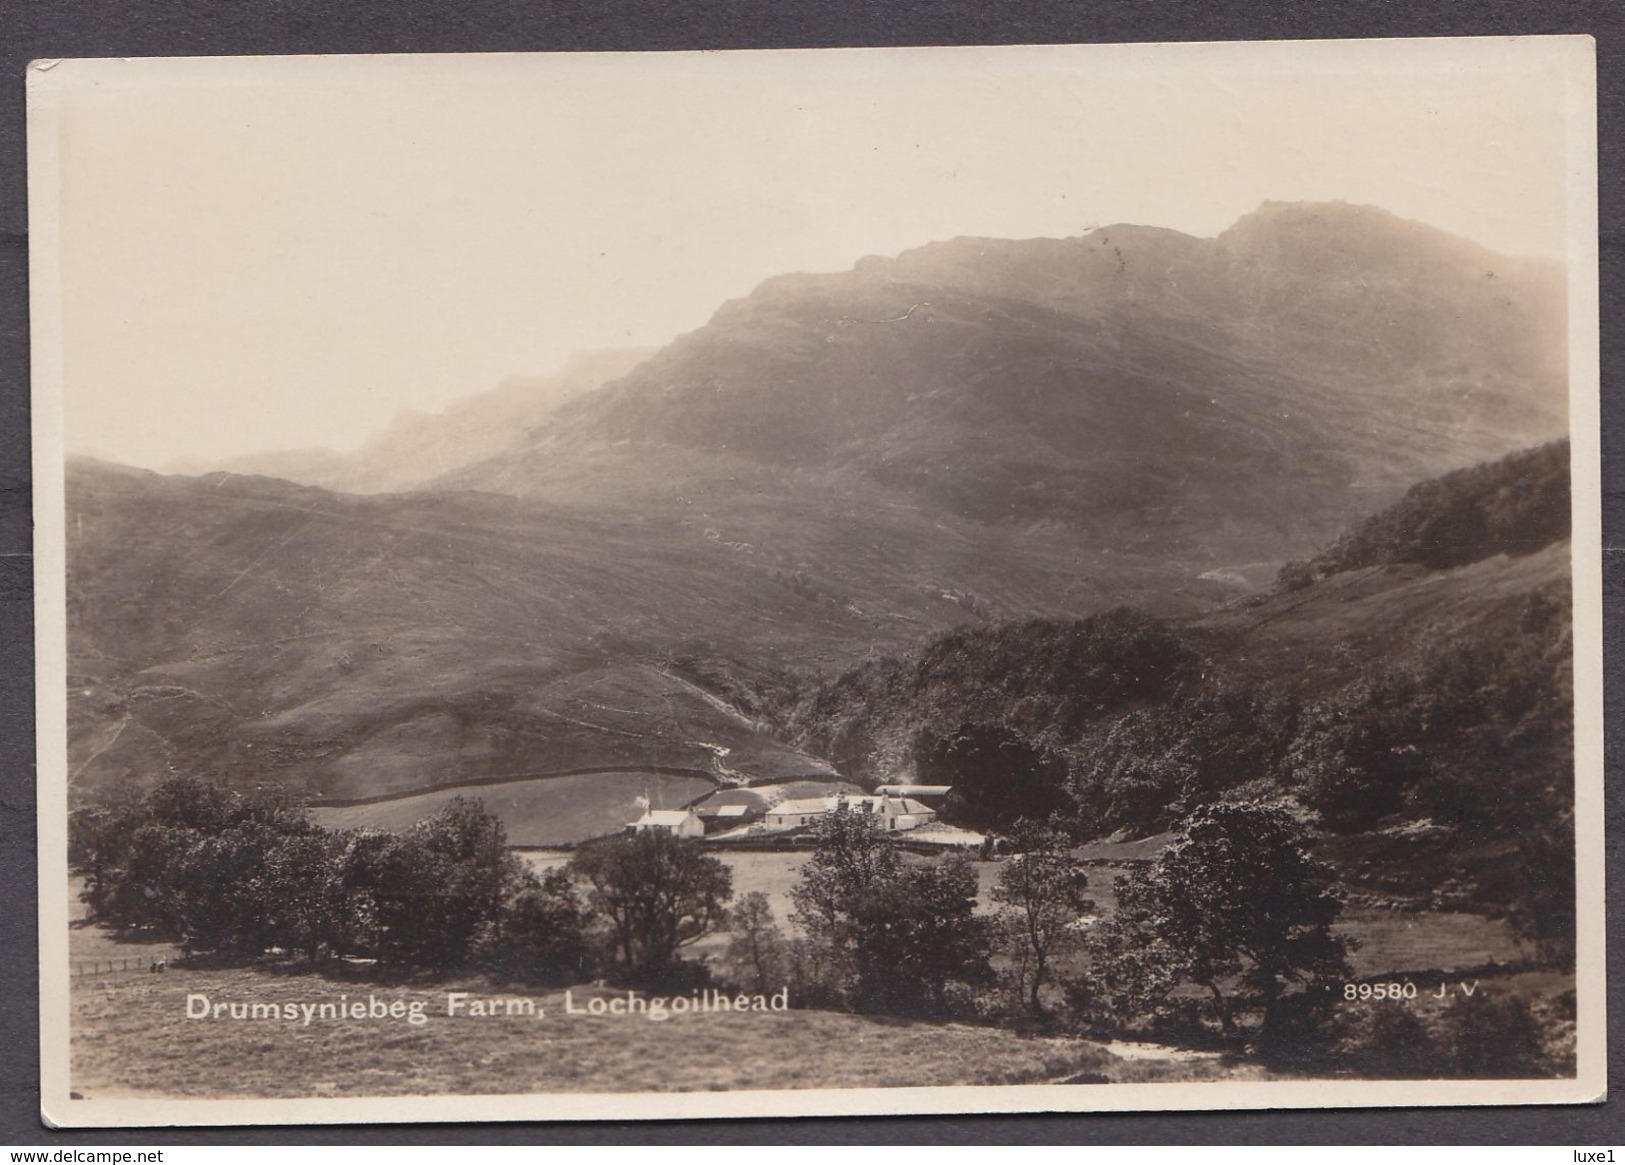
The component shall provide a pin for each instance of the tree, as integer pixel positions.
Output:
(1041, 888)
(303, 892)
(221, 870)
(1148, 767)
(1236, 906)
(758, 944)
(144, 893)
(543, 932)
(193, 803)
(216, 891)
(897, 934)
(1356, 757)
(925, 935)
(1542, 906)
(659, 893)
(100, 844)
(1492, 1037)
(437, 891)
(852, 859)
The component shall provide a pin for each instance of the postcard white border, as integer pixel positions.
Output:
(1572, 56)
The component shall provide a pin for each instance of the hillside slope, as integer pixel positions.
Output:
(1420, 709)
(254, 630)
(1209, 400)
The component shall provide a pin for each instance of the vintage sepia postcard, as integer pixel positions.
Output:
(823, 582)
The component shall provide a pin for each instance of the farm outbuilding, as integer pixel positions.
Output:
(724, 817)
(678, 822)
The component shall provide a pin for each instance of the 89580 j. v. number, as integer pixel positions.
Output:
(1380, 992)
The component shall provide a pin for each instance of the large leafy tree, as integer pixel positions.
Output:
(851, 861)
(897, 933)
(659, 893)
(925, 936)
(437, 891)
(543, 932)
(302, 891)
(1042, 889)
(1236, 907)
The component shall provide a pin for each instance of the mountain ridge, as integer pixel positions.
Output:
(1016, 379)
(416, 447)
(832, 467)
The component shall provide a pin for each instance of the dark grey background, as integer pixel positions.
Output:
(75, 28)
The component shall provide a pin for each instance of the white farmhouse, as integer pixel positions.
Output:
(678, 822)
(893, 814)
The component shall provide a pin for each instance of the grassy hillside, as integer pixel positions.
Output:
(1515, 506)
(255, 630)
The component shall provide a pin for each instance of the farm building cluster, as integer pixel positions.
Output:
(891, 813)
(893, 808)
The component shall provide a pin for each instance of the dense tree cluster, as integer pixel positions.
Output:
(240, 874)
(975, 698)
(1236, 908)
(1456, 718)
(1513, 506)
(657, 893)
(998, 776)
(894, 936)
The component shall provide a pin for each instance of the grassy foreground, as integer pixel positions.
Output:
(131, 1035)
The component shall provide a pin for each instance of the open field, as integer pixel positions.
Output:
(1385, 941)
(1395, 941)
(546, 811)
(763, 797)
(775, 873)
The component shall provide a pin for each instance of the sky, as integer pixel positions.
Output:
(282, 253)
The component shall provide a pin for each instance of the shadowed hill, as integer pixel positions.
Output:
(252, 629)
(1514, 506)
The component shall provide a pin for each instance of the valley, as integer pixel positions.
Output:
(646, 560)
